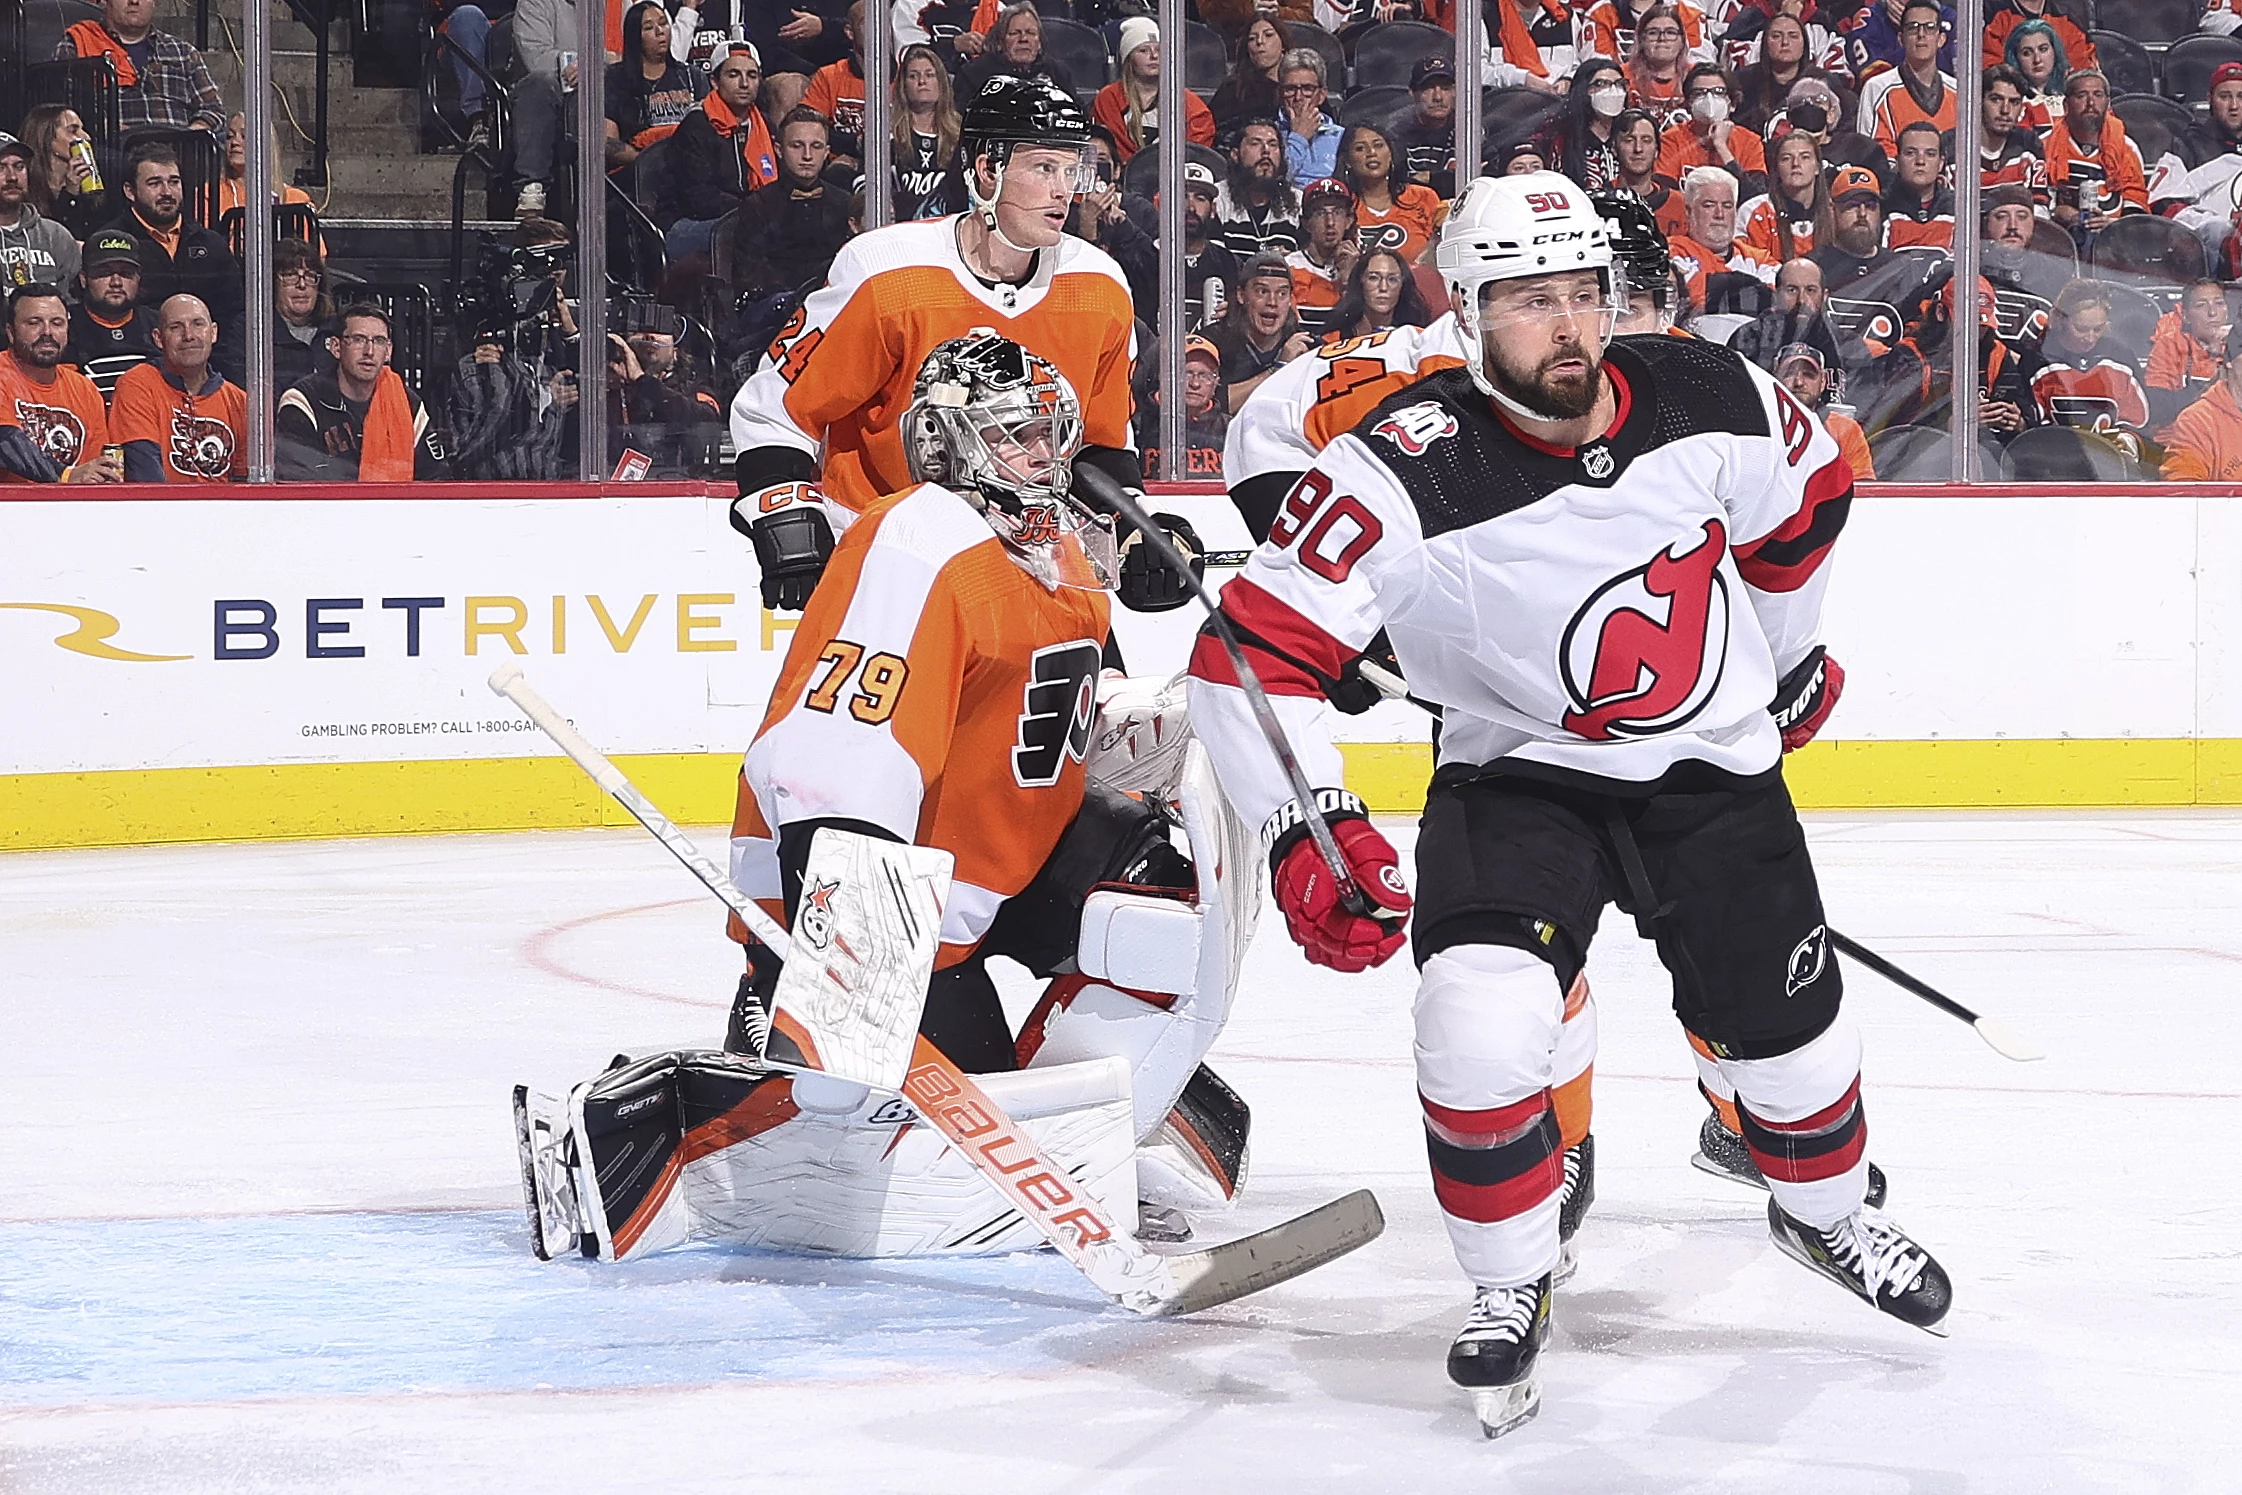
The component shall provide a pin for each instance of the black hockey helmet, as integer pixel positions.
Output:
(1638, 245)
(1021, 111)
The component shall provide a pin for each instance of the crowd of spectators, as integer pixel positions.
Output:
(1799, 156)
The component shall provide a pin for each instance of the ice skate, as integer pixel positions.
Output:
(1722, 1153)
(1574, 1195)
(548, 1184)
(1872, 1256)
(1493, 1357)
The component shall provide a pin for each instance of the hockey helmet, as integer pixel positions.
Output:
(1638, 245)
(1516, 228)
(1009, 112)
(1000, 426)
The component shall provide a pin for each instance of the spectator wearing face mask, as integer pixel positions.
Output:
(1584, 143)
(1710, 138)
(1813, 108)
(1783, 62)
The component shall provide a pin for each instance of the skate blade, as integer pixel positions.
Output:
(1568, 1262)
(1503, 1409)
(1704, 1164)
(551, 1214)
(1797, 1253)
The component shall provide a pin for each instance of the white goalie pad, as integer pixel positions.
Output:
(853, 1172)
(1143, 732)
(1164, 1039)
(866, 933)
(1139, 941)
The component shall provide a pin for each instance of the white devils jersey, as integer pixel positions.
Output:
(1297, 410)
(1599, 615)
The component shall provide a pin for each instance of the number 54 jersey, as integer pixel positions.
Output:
(1615, 615)
(933, 689)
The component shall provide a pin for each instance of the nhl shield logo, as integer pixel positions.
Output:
(1597, 461)
(1808, 959)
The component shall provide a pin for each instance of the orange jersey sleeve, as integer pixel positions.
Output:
(936, 690)
(841, 371)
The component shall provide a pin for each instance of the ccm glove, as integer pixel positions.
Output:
(1148, 584)
(1806, 697)
(793, 540)
(1304, 888)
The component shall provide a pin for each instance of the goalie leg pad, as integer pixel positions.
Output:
(1196, 1159)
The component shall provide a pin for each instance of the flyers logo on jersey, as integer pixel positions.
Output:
(1644, 654)
(1058, 708)
(1413, 428)
(200, 447)
(54, 429)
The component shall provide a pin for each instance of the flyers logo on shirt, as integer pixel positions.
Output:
(1386, 236)
(55, 430)
(200, 447)
(1644, 654)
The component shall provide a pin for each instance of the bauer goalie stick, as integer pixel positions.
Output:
(998, 1149)
(2000, 1036)
(1105, 490)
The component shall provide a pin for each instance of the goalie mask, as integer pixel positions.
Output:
(1541, 225)
(1000, 426)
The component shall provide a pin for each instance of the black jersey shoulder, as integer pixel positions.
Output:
(1462, 465)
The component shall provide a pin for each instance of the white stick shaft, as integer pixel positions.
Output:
(507, 680)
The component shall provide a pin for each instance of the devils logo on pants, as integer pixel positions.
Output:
(1645, 653)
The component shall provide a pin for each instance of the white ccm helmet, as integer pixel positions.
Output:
(1512, 228)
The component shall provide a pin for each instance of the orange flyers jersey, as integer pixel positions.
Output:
(1298, 409)
(841, 371)
(198, 438)
(65, 419)
(938, 691)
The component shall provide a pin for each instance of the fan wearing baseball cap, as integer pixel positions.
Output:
(2221, 134)
(111, 333)
(1204, 419)
(1856, 248)
(1210, 270)
(1327, 251)
(1805, 372)
(32, 248)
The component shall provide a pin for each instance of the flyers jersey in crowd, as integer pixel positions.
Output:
(173, 435)
(65, 419)
(841, 370)
(1633, 602)
(938, 691)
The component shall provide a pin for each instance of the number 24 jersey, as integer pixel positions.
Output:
(935, 689)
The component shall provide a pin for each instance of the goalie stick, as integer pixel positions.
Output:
(2003, 1037)
(948, 1099)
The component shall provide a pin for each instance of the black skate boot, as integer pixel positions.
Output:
(1493, 1357)
(1574, 1195)
(1871, 1255)
(1722, 1153)
(749, 1025)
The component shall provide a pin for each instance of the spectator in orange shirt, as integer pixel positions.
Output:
(1130, 105)
(1919, 207)
(1654, 73)
(2205, 443)
(1327, 252)
(837, 91)
(2004, 16)
(177, 418)
(1391, 212)
(2186, 353)
(53, 426)
(1805, 374)
(2094, 169)
(1634, 142)
(1710, 138)
(1914, 90)
(1710, 259)
(1780, 225)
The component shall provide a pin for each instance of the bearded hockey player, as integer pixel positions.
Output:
(818, 427)
(943, 689)
(1605, 562)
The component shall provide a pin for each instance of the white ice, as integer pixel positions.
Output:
(259, 1226)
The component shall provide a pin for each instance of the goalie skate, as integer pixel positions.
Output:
(548, 1174)
(1722, 1153)
(1868, 1254)
(1495, 1354)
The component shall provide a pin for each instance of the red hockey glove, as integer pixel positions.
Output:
(1806, 697)
(1309, 895)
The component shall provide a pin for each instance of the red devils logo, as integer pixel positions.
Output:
(1645, 653)
(1414, 428)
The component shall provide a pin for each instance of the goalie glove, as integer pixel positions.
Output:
(1148, 584)
(1806, 697)
(793, 540)
(1320, 924)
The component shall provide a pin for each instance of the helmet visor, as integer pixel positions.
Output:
(1034, 165)
(1584, 299)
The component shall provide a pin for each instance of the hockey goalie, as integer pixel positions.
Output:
(943, 689)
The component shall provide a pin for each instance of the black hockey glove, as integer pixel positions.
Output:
(792, 538)
(1352, 694)
(1148, 584)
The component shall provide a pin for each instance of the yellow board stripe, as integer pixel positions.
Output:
(298, 801)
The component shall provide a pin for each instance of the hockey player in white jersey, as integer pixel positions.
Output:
(1605, 561)
(943, 690)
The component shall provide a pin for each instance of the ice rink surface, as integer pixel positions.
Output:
(259, 1222)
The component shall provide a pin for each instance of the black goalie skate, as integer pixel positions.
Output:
(1493, 1357)
(1574, 1195)
(1722, 1153)
(1872, 1256)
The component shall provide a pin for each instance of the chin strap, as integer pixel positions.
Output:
(984, 208)
(1521, 411)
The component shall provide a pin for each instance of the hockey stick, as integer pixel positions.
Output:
(1105, 490)
(1019, 1171)
(2003, 1037)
